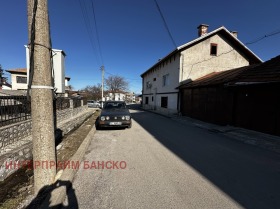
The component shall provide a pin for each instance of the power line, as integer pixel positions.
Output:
(165, 24)
(88, 27)
(97, 34)
(263, 37)
(248, 43)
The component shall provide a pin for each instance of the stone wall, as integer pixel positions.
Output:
(16, 140)
(17, 131)
(13, 133)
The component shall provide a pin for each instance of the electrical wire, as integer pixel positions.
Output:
(51, 58)
(248, 43)
(89, 28)
(165, 24)
(97, 34)
(263, 37)
(31, 49)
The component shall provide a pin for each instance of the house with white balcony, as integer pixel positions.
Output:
(58, 63)
(20, 76)
(216, 51)
(19, 79)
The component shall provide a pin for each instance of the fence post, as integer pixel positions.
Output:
(71, 104)
(71, 107)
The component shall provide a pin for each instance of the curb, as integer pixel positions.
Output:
(58, 195)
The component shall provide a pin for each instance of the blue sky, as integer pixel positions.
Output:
(131, 33)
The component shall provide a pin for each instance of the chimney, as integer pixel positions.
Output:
(202, 29)
(234, 33)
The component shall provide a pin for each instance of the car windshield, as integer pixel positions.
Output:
(114, 105)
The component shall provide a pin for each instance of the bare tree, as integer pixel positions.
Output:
(2, 78)
(71, 88)
(93, 92)
(116, 84)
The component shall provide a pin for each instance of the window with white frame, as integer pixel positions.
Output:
(165, 80)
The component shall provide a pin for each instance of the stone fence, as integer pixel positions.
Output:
(15, 132)
(16, 139)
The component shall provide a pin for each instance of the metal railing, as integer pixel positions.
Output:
(17, 108)
(62, 103)
(77, 102)
(14, 109)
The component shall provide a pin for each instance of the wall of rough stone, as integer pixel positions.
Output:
(16, 140)
(15, 132)
(13, 160)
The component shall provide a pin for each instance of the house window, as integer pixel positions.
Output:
(152, 98)
(164, 101)
(21, 79)
(165, 80)
(155, 79)
(213, 49)
(146, 100)
(148, 85)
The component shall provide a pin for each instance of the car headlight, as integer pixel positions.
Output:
(107, 118)
(102, 118)
(127, 117)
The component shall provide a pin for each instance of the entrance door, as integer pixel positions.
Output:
(155, 98)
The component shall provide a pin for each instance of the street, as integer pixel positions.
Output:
(166, 164)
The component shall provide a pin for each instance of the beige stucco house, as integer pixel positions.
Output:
(215, 51)
(18, 78)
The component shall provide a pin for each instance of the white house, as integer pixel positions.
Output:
(117, 96)
(19, 79)
(20, 76)
(58, 57)
(216, 51)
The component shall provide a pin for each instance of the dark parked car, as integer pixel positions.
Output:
(114, 114)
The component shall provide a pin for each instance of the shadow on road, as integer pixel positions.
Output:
(43, 199)
(247, 174)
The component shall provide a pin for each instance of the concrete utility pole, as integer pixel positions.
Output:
(44, 159)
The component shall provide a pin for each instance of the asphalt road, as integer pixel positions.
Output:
(175, 165)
